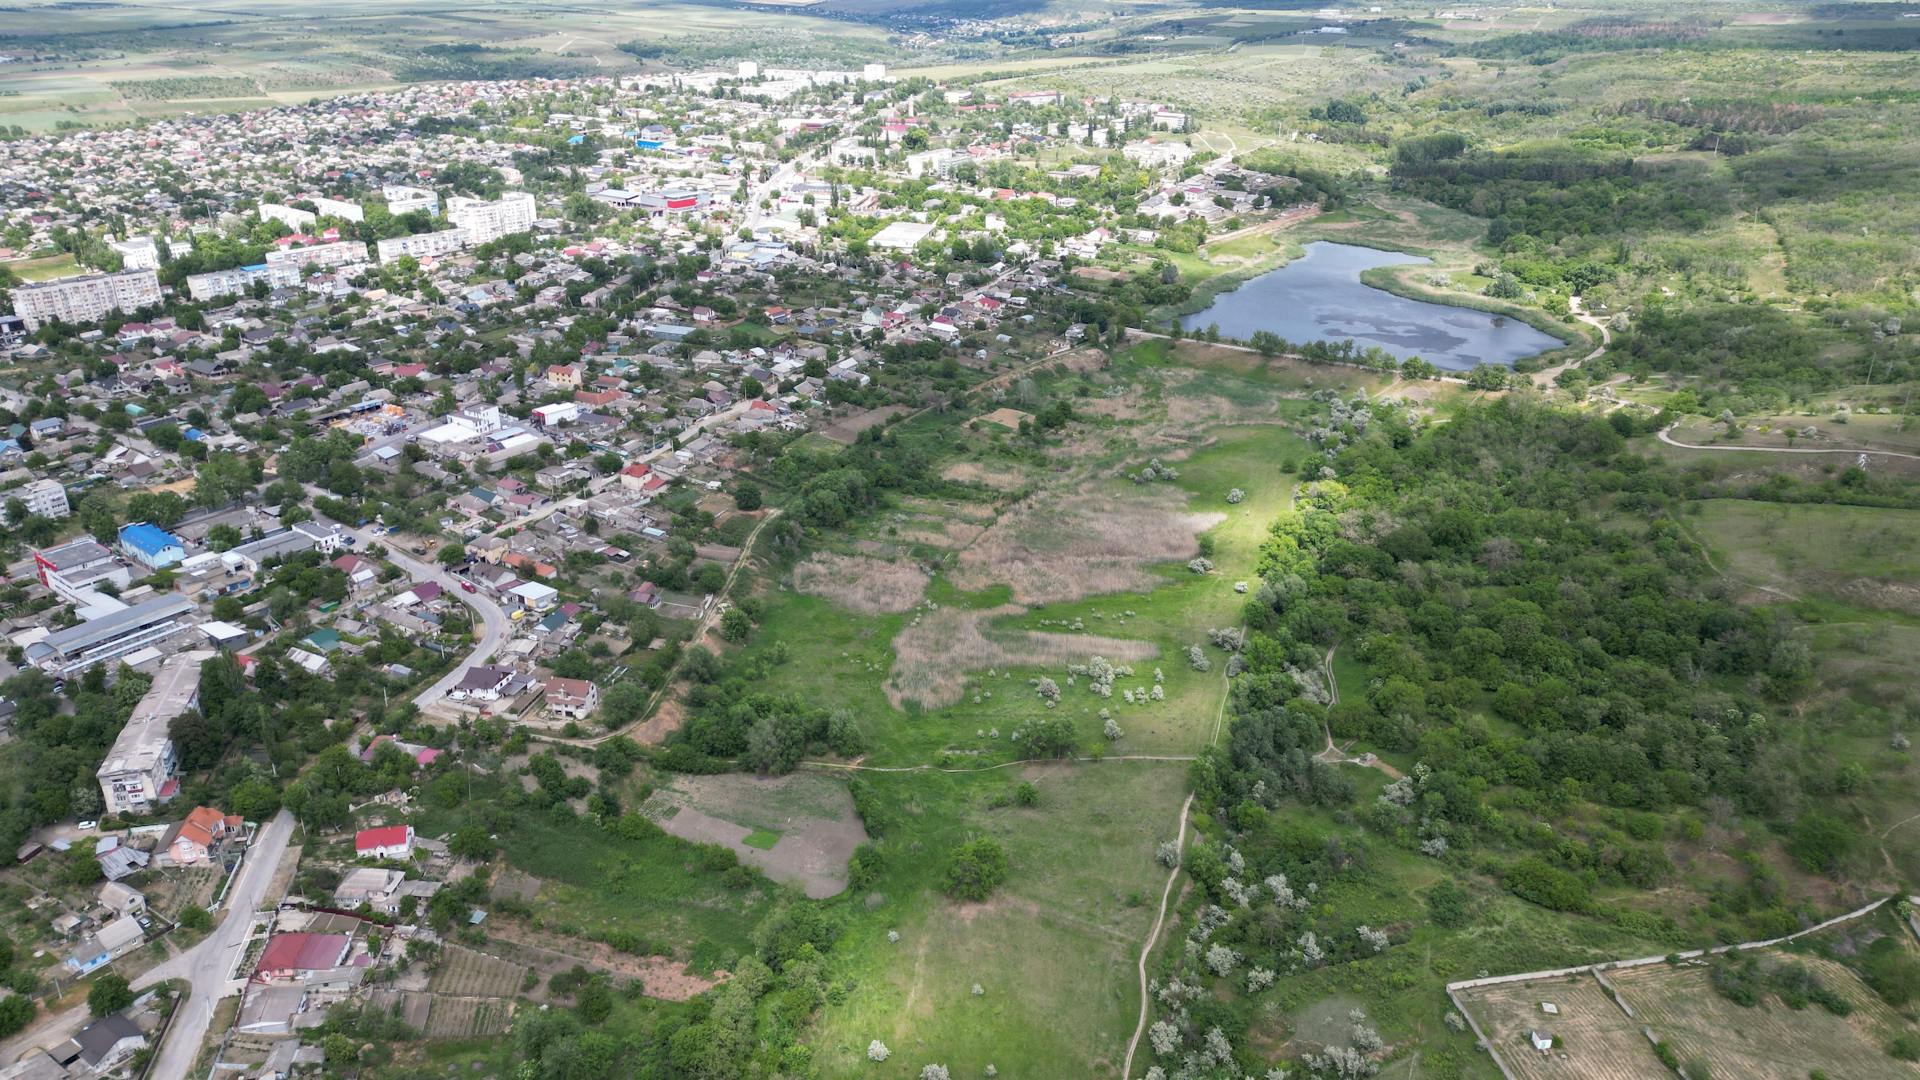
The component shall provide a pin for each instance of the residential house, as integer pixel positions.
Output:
(198, 837)
(572, 699)
(385, 842)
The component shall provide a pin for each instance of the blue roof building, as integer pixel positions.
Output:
(151, 546)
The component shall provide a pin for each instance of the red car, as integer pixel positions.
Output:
(468, 585)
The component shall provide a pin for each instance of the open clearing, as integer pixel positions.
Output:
(935, 653)
(799, 829)
(1052, 547)
(1598, 1041)
(1865, 556)
(861, 583)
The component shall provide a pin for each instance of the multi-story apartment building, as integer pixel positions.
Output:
(218, 283)
(138, 253)
(402, 199)
(285, 268)
(46, 498)
(292, 217)
(86, 299)
(340, 208)
(421, 245)
(486, 221)
(141, 769)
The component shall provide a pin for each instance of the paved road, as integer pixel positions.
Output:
(493, 618)
(208, 965)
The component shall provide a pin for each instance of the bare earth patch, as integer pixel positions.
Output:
(1049, 549)
(812, 815)
(933, 655)
(1005, 417)
(862, 583)
(847, 430)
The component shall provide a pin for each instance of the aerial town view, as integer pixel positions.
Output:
(936, 539)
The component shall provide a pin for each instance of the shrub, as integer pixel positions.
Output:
(109, 994)
(1891, 972)
(877, 1051)
(975, 869)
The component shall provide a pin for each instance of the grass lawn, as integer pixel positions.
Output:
(1853, 554)
(764, 839)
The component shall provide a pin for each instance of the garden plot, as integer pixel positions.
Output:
(1768, 1041)
(467, 1017)
(466, 973)
(1597, 1041)
(798, 829)
(411, 1008)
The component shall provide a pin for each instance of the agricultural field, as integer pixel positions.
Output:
(466, 1018)
(464, 972)
(1597, 1037)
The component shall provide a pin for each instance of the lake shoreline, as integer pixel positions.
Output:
(1315, 296)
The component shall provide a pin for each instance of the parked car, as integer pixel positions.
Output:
(468, 585)
(89, 824)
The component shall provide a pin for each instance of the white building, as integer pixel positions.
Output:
(73, 570)
(46, 498)
(340, 208)
(486, 221)
(874, 73)
(286, 268)
(86, 299)
(421, 245)
(218, 283)
(748, 70)
(297, 220)
(140, 770)
(402, 199)
(137, 253)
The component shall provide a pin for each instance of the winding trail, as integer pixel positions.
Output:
(1667, 437)
(1545, 376)
(1166, 891)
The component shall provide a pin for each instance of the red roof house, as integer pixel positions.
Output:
(290, 956)
(386, 842)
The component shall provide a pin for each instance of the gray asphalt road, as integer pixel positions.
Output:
(207, 965)
(493, 620)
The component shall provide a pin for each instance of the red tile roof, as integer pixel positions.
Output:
(304, 952)
(385, 836)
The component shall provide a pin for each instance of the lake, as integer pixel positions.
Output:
(1319, 297)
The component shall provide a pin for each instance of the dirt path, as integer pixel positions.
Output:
(1545, 376)
(1173, 875)
(1667, 437)
(1706, 554)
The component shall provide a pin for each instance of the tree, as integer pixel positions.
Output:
(195, 917)
(16, 1012)
(975, 869)
(746, 495)
(451, 553)
(110, 993)
(735, 625)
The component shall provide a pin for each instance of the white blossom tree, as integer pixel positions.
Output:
(877, 1051)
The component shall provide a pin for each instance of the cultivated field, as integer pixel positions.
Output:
(1768, 1041)
(466, 1017)
(466, 973)
(1598, 1041)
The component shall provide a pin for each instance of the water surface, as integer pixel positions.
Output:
(1319, 297)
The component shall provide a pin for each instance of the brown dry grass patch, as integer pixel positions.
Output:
(861, 583)
(972, 472)
(933, 656)
(1050, 549)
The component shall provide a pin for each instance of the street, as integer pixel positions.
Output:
(493, 619)
(206, 966)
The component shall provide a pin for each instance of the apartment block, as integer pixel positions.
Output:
(286, 268)
(86, 299)
(486, 221)
(141, 769)
(339, 208)
(219, 283)
(421, 245)
(402, 199)
(295, 219)
(46, 498)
